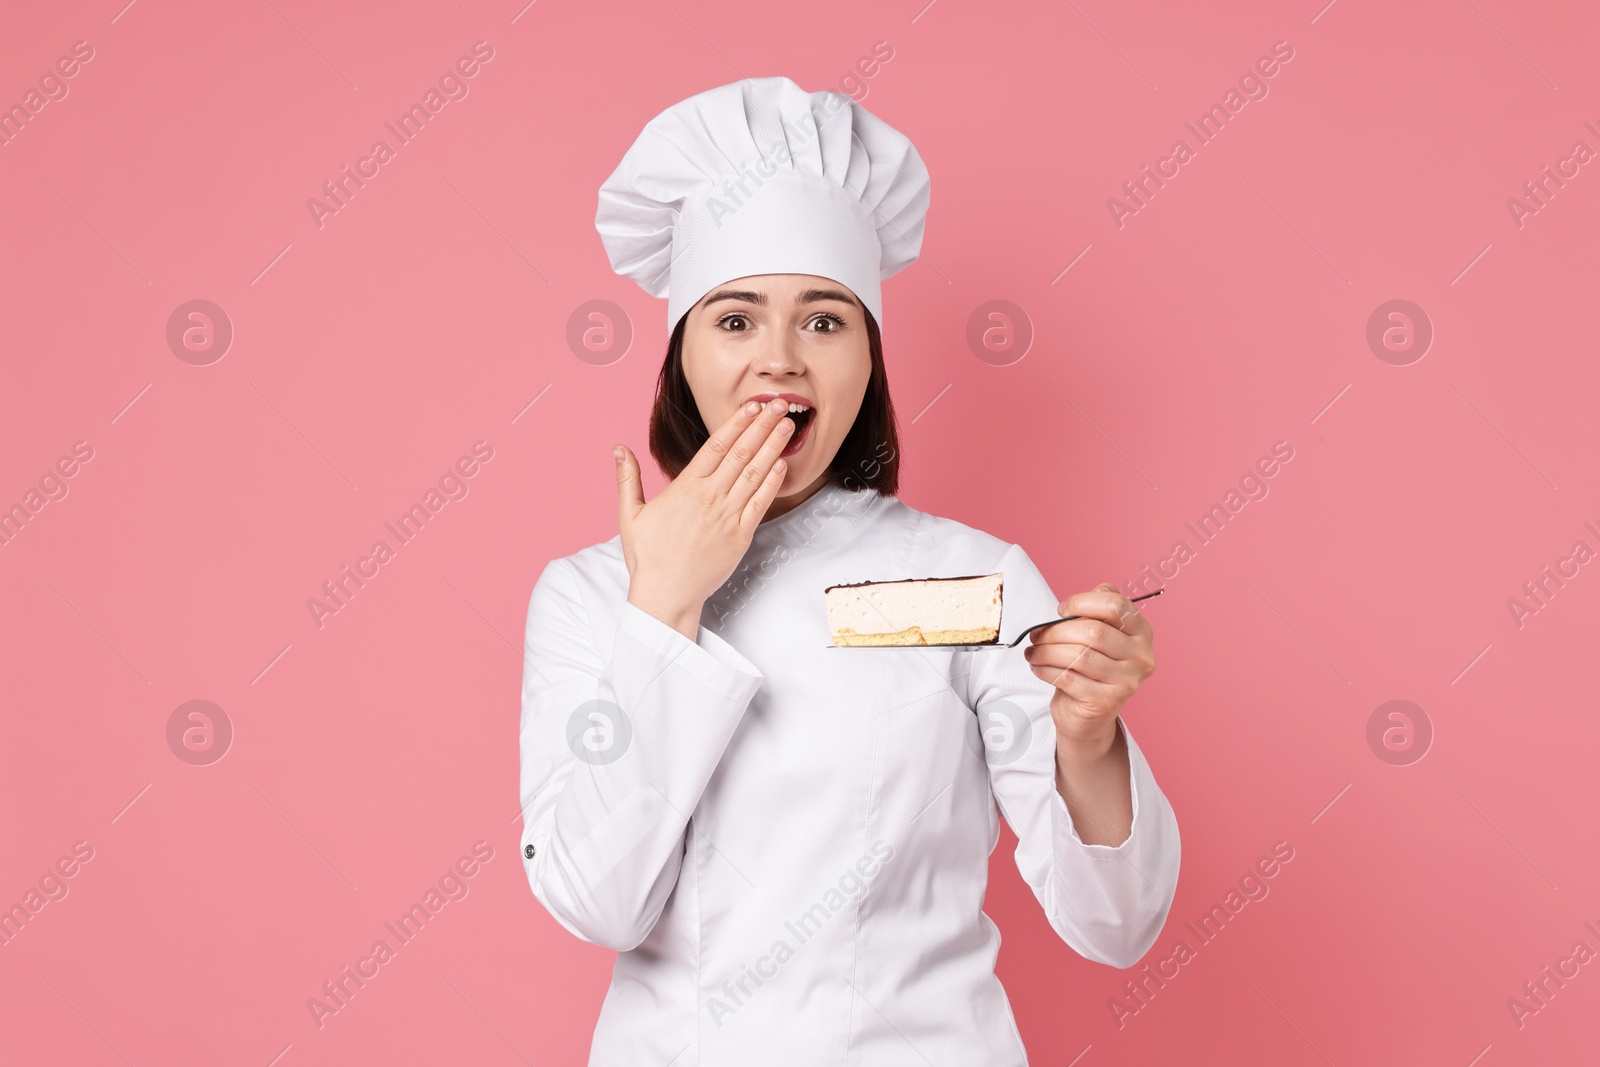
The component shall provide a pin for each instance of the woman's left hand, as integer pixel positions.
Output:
(1095, 662)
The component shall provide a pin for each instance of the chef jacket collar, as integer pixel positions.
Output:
(829, 515)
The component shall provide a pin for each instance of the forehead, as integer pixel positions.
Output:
(781, 288)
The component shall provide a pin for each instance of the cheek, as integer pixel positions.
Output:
(714, 384)
(847, 406)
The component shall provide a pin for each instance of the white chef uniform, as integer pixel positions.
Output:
(787, 843)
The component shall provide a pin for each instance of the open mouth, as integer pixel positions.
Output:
(800, 418)
(802, 423)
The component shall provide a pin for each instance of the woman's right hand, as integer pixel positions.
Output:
(683, 545)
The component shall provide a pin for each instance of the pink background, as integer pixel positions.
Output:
(369, 354)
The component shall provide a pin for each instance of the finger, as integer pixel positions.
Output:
(1135, 623)
(758, 471)
(762, 498)
(1082, 660)
(630, 489)
(1081, 688)
(709, 455)
(742, 453)
(1133, 619)
(1104, 603)
(1101, 636)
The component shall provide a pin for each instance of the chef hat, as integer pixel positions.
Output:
(761, 177)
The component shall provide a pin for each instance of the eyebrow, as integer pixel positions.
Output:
(810, 296)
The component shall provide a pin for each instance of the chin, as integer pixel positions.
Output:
(795, 480)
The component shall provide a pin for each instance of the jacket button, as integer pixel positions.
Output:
(528, 852)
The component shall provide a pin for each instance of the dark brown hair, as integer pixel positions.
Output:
(869, 456)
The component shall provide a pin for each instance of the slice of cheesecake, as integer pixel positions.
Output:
(916, 611)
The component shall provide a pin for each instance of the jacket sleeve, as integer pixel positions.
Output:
(1108, 903)
(615, 755)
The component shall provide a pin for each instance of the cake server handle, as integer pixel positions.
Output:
(1051, 622)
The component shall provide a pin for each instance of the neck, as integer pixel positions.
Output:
(783, 504)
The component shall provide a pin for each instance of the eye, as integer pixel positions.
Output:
(722, 323)
(834, 322)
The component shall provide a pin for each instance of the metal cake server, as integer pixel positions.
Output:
(996, 644)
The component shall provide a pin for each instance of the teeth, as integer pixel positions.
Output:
(798, 407)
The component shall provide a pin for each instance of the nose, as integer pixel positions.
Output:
(780, 356)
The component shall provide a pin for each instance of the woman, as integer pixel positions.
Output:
(787, 844)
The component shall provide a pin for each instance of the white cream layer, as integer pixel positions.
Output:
(933, 604)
